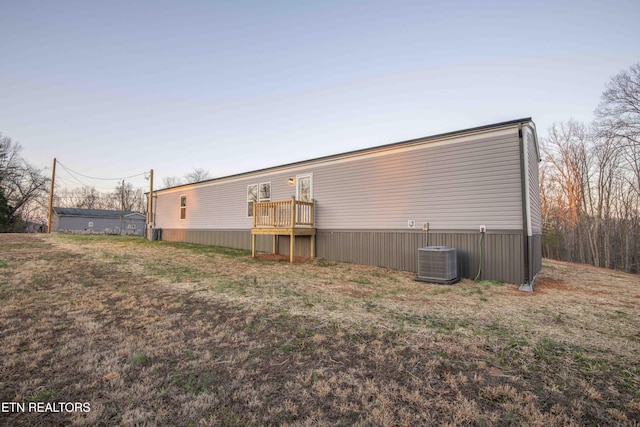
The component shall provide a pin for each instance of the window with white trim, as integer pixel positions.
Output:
(183, 207)
(257, 193)
(252, 196)
(265, 192)
(304, 188)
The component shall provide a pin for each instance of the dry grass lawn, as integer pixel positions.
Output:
(158, 333)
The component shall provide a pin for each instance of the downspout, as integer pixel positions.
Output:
(527, 285)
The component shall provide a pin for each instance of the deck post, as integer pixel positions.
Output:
(313, 246)
(253, 209)
(292, 234)
(275, 244)
(253, 245)
(292, 243)
(253, 236)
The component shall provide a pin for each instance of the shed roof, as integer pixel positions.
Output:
(95, 213)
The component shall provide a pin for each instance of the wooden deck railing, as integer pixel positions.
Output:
(283, 214)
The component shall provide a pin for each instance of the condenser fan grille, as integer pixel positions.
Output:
(437, 264)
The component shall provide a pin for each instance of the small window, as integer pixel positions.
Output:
(252, 196)
(183, 207)
(265, 192)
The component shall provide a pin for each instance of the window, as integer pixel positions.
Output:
(252, 196)
(304, 188)
(265, 192)
(257, 193)
(183, 207)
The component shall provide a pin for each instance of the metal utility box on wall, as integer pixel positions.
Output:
(437, 264)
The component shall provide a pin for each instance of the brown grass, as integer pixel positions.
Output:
(154, 333)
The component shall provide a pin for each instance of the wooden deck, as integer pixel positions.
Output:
(284, 218)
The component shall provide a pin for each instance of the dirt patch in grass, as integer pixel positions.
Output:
(156, 333)
(545, 284)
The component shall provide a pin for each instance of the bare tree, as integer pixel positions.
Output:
(567, 174)
(617, 120)
(127, 198)
(82, 197)
(64, 198)
(590, 202)
(618, 114)
(606, 155)
(171, 181)
(197, 175)
(89, 198)
(20, 183)
(5, 212)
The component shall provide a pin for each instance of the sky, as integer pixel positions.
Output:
(113, 89)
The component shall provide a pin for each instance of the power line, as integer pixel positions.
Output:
(69, 182)
(71, 172)
(72, 176)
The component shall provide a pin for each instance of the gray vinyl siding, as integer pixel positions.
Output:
(218, 205)
(455, 184)
(502, 250)
(534, 183)
(450, 186)
(534, 241)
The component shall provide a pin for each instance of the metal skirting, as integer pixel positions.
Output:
(240, 239)
(536, 246)
(392, 249)
(503, 251)
(535, 261)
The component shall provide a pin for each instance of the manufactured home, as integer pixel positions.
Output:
(101, 221)
(475, 190)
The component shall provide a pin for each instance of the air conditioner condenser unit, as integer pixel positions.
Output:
(437, 264)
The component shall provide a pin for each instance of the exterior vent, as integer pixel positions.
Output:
(437, 264)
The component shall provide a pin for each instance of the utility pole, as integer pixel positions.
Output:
(150, 205)
(53, 179)
(122, 196)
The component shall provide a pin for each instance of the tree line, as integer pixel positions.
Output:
(123, 198)
(590, 182)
